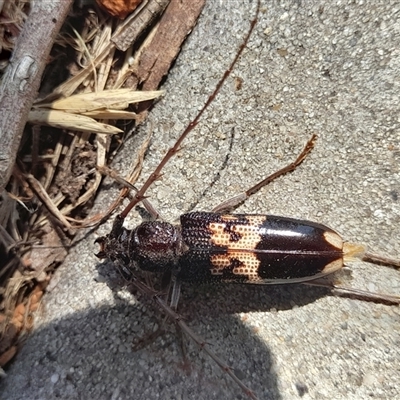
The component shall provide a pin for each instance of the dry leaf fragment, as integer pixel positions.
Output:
(45, 257)
(119, 8)
(35, 301)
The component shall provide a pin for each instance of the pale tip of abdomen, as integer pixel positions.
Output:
(352, 251)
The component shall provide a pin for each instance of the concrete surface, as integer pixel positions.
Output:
(330, 68)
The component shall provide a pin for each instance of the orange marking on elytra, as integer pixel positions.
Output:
(247, 264)
(248, 234)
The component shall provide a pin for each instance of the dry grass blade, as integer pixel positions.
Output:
(111, 114)
(73, 112)
(75, 122)
(132, 176)
(118, 99)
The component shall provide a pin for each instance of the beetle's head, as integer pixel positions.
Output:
(115, 245)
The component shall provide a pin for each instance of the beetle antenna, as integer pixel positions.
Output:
(139, 196)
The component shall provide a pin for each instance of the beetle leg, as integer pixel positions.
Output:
(176, 291)
(114, 175)
(355, 293)
(379, 259)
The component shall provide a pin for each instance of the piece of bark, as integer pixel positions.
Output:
(21, 81)
(133, 27)
(178, 20)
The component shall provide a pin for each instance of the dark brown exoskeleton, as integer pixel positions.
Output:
(240, 248)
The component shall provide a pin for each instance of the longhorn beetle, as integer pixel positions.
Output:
(223, 247)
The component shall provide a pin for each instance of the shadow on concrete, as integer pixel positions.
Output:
(90, 351)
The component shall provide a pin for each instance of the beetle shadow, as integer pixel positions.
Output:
(244, 298)
(232, 298)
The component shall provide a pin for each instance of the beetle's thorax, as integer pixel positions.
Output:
(155, 245)
(151, 246)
